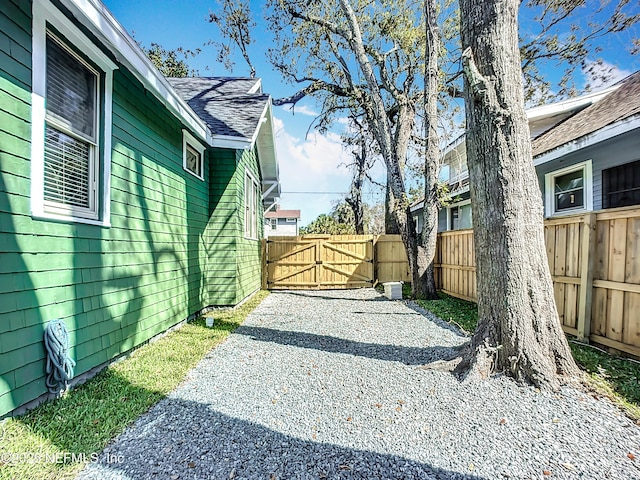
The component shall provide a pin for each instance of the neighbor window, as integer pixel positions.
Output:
(274, 224)
(71, 122)
(621, 185)
(251, 206)
(461, 217)
(192, 155)
(291, 220)
(569, 190)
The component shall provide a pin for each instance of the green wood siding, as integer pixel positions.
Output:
(248, 251)
(175, 244)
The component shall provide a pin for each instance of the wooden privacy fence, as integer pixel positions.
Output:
(594, 260)
(332, 261)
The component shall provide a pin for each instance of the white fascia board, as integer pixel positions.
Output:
(552, 109)
(232, 143)
(95, 16)
(257, 87)
(605, 133)
(263, 119)
(416, 207)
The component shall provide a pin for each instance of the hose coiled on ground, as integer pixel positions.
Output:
(59, 364)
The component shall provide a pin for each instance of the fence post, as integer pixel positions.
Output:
(265, 265)
(588, 243)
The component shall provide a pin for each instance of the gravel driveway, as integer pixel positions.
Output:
(325, 385)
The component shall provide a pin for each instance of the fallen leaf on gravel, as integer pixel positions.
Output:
(232, 475)
(379, 405)
(272, 477)
(192, 465)
(175, 477)
(398, 409)
(344, 467)
(503, 421)
(568, 466)
(401, 402)
(556, 420)
(631, 456)
(472, 467)
(349, 419)
(546, 472)
(314, 436)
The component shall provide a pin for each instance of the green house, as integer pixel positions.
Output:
(128, 202)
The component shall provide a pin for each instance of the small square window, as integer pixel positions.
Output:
(274, 224)
(192, 155)
(569, 189)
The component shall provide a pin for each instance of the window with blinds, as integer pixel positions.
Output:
(71, 140)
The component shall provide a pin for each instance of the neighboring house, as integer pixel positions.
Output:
(281, 222)
(586, 152)
(126, 205)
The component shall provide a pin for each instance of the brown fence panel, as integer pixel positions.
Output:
(616, 280)
(391, 259)
(456, 264)
(319, 262)
(594, 259)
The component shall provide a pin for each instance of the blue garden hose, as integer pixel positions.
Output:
(59, 364)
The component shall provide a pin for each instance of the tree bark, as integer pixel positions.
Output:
(424, 279)
(519, 331)
(355, 195)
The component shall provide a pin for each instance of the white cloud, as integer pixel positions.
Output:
(315, 164)
(600, 74)
(302, 110)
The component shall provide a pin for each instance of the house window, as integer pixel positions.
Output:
(461, 217)
(71, 155)
(192, 155)
(621, 185)
(71, 122)
(291, 220)
(569, 189)
(251, 206)
(274, 224)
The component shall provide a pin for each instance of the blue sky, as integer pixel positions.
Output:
(308, 162)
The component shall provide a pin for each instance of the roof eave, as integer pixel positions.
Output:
(605, 133)
(264, 139)
(95, 17)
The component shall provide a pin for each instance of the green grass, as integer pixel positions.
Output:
(88, 417)
(610, 376)
(454, 310)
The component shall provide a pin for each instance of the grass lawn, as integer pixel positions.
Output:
(52, 438)
(610, 376)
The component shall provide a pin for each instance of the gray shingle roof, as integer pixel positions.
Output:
(224, 103)
(618, 105)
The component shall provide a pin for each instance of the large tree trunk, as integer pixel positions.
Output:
(424, 279)
(355, 195)
(519, 331)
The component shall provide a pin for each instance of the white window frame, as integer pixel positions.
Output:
(191, 141)
(273, 223)
(252, 198)
(44, 13)
(450, 207)
(549, 189)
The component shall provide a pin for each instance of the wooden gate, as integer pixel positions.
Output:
(319, 262)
